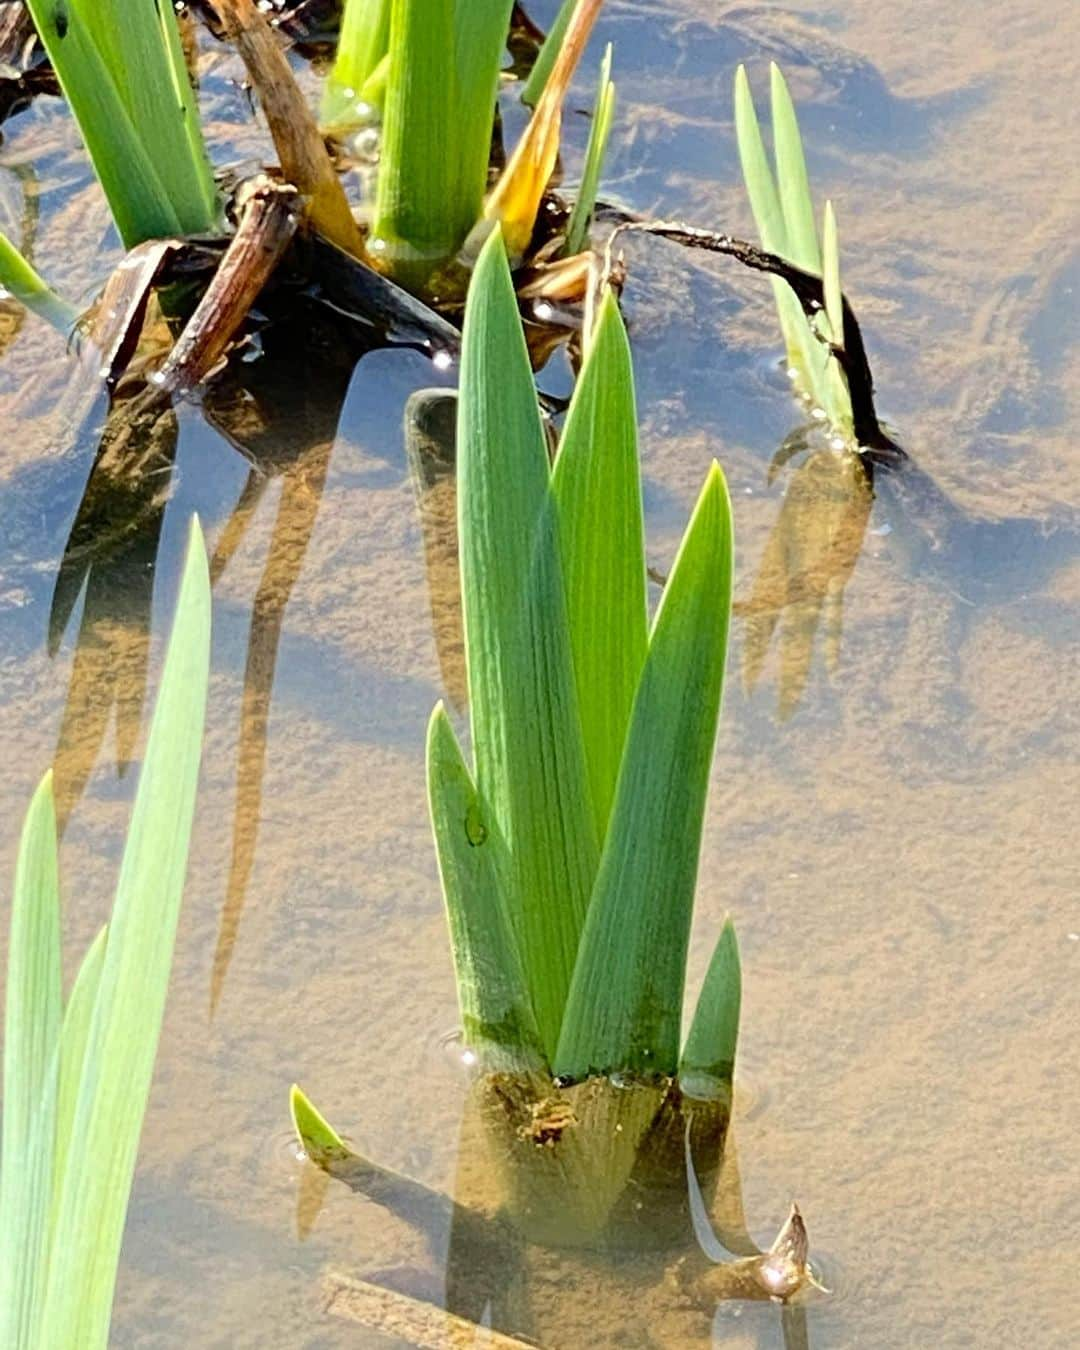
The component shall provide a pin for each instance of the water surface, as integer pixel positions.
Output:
(893, 814)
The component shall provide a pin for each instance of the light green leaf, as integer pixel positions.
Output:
(496, 1013)
(362, 44)
(318, 1138)
(804, 353)
(31, 1032)
(708, 1058)
(757, 175)
(126, 1021)
(624, 1008)
(795, 198)
(603, 114)
(73, 1038)
(839, 397)
(20, 280)
(834, 306)
(538, 76)
(413, 229)
(597, 487)
(530, 767)
(480, 41)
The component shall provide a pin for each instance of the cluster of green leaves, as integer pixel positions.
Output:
(122, 69)
(569, 854)
(434, 66)
(77, 1077)
(784, 212)
(431, 69)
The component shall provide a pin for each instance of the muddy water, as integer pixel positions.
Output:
(893, 813)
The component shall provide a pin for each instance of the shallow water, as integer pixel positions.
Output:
(892, 821)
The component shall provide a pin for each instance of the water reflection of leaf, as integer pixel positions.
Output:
(430, 417)
(301, 492)
(808, 560)
(281, 414)
(110, 559)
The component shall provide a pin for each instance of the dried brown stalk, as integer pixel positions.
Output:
(268, 220)
(303, 156)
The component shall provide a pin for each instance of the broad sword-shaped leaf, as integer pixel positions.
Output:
(526, 733)
(597, 486)
(625, 1002)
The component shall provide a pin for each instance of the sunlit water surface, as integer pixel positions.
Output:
(893, 816)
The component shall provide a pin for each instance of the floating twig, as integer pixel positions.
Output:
(809, 291)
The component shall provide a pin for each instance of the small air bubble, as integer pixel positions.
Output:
(442, 360)
(158, 377)
(543, 311)
(818, 414)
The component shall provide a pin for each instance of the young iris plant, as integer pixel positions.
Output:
(433, 69)
(121, 66)
(569, 852)
(784, 213)
(77, 1077)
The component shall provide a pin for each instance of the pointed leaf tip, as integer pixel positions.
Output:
(318, 1138)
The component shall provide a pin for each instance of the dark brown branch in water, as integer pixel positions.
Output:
(810, 292)
(268, 221)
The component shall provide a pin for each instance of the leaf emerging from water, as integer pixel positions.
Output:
(603, 114)
(598, 490)
(709, 1053)
(804, 352)
(122, 1036)
(530, 767)
(122, 69)
(625, 1003)
(496, 1012)
(31, 1034)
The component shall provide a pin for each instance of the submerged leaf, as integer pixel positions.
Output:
(625, 1002)
(530, 767)
(598, 490)
(31, 1033)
